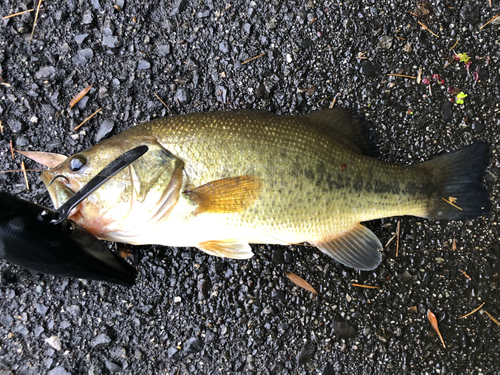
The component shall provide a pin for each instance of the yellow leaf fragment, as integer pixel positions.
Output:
(79, 96)
(300, 282)
(434, 324)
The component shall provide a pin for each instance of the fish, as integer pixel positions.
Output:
(220, 181)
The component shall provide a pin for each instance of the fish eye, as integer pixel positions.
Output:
(77, 163)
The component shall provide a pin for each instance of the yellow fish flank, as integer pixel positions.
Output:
(219, 181)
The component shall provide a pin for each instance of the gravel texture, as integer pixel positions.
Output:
(192, 313)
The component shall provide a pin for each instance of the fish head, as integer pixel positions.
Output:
(133, 196)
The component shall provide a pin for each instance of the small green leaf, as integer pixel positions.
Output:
(460, 97)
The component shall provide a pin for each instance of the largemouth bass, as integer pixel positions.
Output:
(219, 181)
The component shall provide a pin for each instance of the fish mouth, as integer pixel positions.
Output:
(58, 191)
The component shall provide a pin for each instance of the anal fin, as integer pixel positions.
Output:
(357, 247)
(232, 248)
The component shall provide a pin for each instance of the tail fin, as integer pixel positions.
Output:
(461, 173)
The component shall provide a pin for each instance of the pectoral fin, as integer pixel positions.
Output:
(357, 248)
(228, 195)
(233, 248)
(47, 159)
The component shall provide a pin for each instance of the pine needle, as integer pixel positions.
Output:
(36, 17)
(365, 286)
(392, 238)
(17, 14)
(455, 44)
(434, 324)
(253, 58)
(491, 317)
(401, 75)
(11, 149)
(451, 202)
(473, 311)
(87, 119)
(1, 127)
(301, 282)
(397, 239)
(226, 8)
(25, 175)
(494, 17)
(162, 102)
(467, 276)
(429, 30)
(334, 100)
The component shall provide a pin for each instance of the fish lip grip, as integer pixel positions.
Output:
(44, 240)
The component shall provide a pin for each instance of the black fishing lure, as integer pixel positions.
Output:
(44, 240)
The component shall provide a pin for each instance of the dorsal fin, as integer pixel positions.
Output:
(354, 132)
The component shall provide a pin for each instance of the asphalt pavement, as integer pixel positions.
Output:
(389, 61)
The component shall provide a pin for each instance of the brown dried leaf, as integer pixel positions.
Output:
(79, 96)
(301, 282)
(434, 324)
